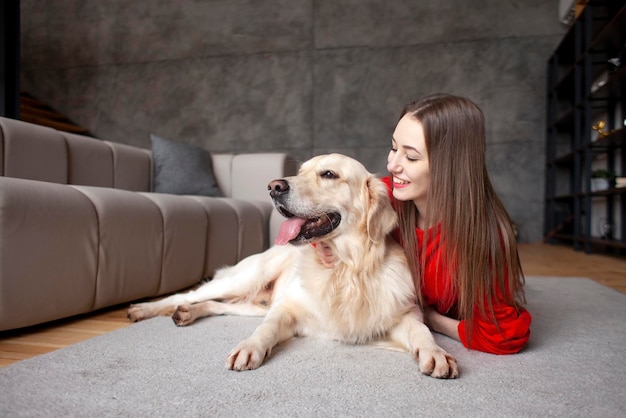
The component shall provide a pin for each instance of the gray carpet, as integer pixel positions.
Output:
(574, 365)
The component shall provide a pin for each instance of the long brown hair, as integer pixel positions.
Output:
(480, 249)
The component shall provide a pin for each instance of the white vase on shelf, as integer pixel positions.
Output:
(599, 184)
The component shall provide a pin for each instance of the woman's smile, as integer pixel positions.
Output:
(399, 183)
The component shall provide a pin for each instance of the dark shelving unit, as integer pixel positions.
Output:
(584, 87)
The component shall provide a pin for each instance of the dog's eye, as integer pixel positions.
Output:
(328, 175)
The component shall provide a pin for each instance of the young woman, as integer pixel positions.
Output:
(457, 236)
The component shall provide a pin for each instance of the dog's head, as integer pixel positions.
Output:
(331, 196)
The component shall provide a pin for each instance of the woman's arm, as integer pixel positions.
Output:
(508, 336)
(441, 323)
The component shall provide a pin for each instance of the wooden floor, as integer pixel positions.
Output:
(537, 260)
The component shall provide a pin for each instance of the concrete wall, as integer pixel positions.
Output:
(302, 76)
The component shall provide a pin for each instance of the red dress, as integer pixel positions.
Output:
(514, 326)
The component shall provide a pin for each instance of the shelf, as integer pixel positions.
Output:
(607, 37)
(613, 88)
(593, 241)
(610, 36)
(563, 197)
(564, 120)
(564, 159)
(616, 139)
(613, 191)
(607, 242)
(566, 50)
(567, 237)
(580, 61)
(565, 85)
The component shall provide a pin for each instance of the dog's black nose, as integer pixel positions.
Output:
(277, 187)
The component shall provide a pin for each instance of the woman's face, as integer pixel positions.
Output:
(408, 163)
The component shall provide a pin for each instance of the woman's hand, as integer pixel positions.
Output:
(325, 253)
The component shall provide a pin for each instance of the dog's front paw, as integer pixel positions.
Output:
(436, 362)
(183, 316)
(136, 313)
(246, 356)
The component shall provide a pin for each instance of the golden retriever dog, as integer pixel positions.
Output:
(366, 297)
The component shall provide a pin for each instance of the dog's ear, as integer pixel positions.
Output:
(381, 218)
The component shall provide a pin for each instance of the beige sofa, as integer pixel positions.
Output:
(80, 229)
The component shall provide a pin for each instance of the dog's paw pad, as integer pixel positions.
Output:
(182, 316)
(135, 314)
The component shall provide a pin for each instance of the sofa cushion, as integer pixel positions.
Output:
(251, 226)
(33, 152)
(132, 168)
(185, 227)
(222, 169)
(130, 245)
(90, 161)
(222, 246)
(253, 172)
(180, 168)
(48, 252)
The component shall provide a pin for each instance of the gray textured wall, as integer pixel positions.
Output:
(302, 76)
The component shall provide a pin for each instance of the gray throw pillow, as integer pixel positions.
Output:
(180, 168)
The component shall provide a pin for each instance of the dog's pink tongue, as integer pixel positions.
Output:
(289, 229)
